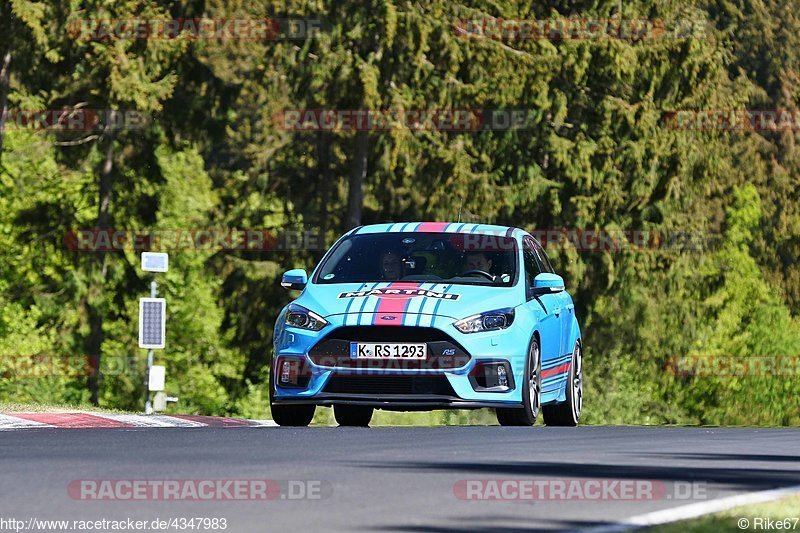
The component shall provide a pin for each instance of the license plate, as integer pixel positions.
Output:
(381, 350)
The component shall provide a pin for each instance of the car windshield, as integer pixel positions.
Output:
(468, 259)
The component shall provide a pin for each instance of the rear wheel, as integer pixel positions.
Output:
(568, 413)
(289, 415)
(531, 394)
(352, 415)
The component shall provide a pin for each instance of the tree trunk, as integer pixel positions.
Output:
(325, 186)
(4, 80)
(355, 192)
(96, 305)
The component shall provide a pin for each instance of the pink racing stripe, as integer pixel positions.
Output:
(74, 420)
(432, 227)
(555, 370)
(391, 311)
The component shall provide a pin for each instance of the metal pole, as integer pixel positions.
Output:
(148, 407)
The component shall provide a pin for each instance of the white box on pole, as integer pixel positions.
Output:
(155, 261)
(157, 378)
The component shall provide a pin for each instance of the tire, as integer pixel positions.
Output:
(293, 415)
(531, 395)
(289, 415)
(568, 413)
(352, 415)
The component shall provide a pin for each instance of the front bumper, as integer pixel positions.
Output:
(444, 381)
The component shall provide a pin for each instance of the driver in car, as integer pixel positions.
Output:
(477, 261)
(391, 266)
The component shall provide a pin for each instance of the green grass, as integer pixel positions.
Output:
(785, 508)
(479, 417)
(12, 407)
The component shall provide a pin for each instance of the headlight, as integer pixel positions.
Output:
(489, 321)
(299, 317)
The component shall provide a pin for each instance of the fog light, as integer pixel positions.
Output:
(502, 377)
(491, 376)
(292, 372)
(288, 373)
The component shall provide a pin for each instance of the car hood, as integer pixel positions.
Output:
(400, 298)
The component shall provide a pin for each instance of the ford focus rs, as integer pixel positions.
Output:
(421, 316)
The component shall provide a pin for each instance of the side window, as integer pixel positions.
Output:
(532, 268)
(543, 259)
(531, 246)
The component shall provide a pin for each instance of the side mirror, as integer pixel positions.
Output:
(295, 279)
(547, 283)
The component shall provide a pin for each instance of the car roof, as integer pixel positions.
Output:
(437, 227)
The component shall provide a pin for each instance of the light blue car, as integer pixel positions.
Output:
(429, 315)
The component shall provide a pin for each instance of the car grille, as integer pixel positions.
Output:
(443, 351)
(389, 334)
(381, 385)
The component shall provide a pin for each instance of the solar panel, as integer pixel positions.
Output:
(152, 322)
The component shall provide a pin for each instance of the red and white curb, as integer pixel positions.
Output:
(16, 421)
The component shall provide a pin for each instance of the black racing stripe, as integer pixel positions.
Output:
(356, 230)
(509, 232)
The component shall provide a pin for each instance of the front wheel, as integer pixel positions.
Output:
(531, 394)
(352, 415)
(568, 413)
(293, 415)
(289, 415)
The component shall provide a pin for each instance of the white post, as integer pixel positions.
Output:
(148, 406)
(152, 262)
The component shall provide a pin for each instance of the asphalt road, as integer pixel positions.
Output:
(398, 479)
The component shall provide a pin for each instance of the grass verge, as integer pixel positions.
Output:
(757, 517)
(12, 407)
